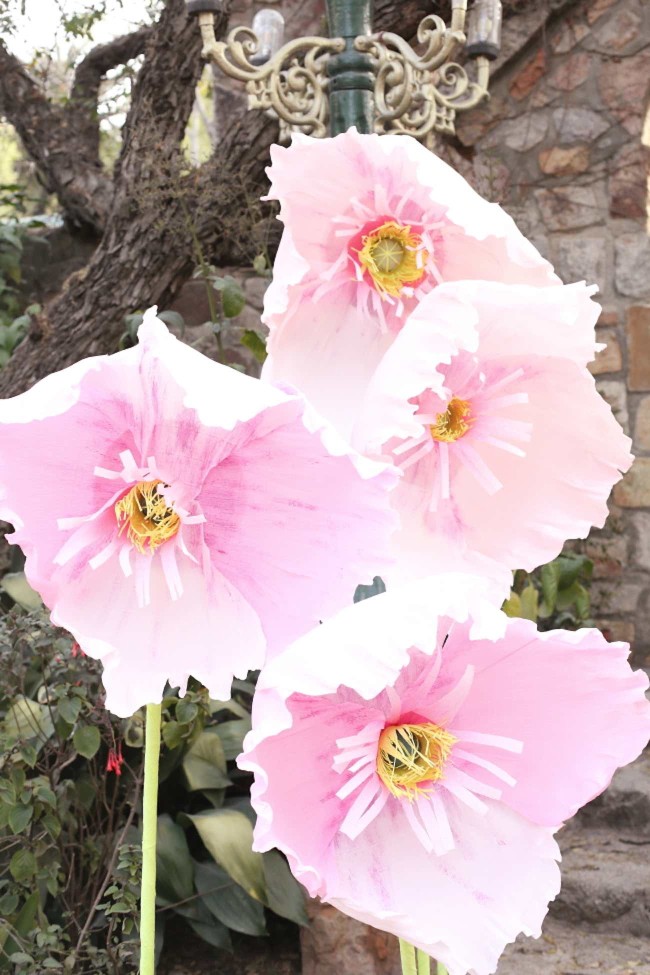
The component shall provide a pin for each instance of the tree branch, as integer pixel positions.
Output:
(66, 166)
(84, 95)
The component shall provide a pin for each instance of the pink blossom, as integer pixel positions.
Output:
(431, 751)
(179, 517)
(485, 403)
(372, 224)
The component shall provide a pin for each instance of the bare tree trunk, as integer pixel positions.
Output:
(146, 254)
(154, 216)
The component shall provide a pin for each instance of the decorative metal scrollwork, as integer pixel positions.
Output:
(293, 84)
(416, 92)
(419, 94)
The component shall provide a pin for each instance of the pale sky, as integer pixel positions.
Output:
(40, 28)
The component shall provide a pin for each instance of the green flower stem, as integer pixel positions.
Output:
(423, 962)
(415, 961)
(149, 826)
(407, 956)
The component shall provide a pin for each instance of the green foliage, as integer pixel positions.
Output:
(70, 781)
(12, 324)
(208, 873)
(61, 815)
(554, 596)
(255, 343)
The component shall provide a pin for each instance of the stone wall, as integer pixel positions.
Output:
(560, 145)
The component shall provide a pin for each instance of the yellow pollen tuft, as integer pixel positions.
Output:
(148, 518)
(453, 423)
(390, 256)
(410, 754)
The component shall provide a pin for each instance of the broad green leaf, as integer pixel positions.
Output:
(512, 606)
(15, 585)
(19, 818)
(186, 711)
(69, 708)
(255, 344)
(367, 592)
(228, 836)
(87, 740)
(204, 764)
(227, 901)
(233, 706)
(26, 719)
(173, 734)
(550, 575)
(285, 896)
(22, 866)
(175, 871)
(212, 932)
(23, 924)
(233, 298)
(232, 734)
(571, 567)
(529, 599)
(134, 730)
(173, 320)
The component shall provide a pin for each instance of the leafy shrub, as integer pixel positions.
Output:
(70, 783)
(555, 596)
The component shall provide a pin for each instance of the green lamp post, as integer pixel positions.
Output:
(351, 74)
(374, 81)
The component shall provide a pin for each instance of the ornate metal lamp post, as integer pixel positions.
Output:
(376, 82)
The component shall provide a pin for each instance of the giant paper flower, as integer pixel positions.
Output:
(431, 752)
(178, 517)
(485, 402)
(371, 225)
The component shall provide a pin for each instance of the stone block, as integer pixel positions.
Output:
(623, 86)
(558, 161)
(572, 72)
(528, 76)
(642, 425)
(619, 32)
(632, 264)
(334, 942)
(617, 630)
(634, 490)
(608, 553)
(628, 182)
(578, 125)
(614, 392)
(638, 342)
(569, 207)
(581, 259)
(608, 318)
(568, 35)
(520, 134)
(614, 596)
(597, 8)
(610, 358)
(640, 521)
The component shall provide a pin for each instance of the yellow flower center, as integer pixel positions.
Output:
(393, 256)
(148, 518)
(453, 423)
(410, 754)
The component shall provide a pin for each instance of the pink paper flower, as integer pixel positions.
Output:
(485, 403)
(178, 517)
(413, 760)
(372, 224)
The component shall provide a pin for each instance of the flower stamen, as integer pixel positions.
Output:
(147, 516)
(454, 422)
(393, 256)
(410, 754)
